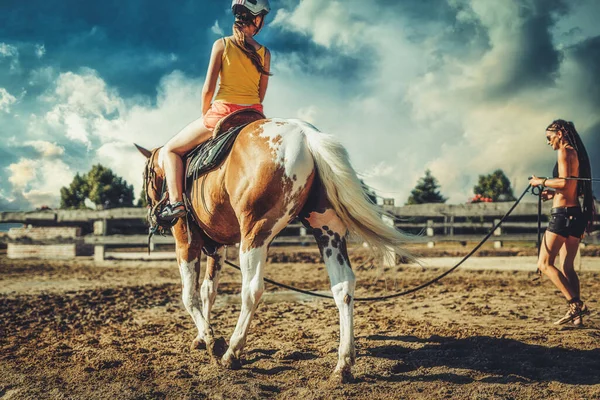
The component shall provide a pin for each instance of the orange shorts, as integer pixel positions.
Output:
(219, 110)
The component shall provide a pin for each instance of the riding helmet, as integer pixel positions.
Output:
(256, 7)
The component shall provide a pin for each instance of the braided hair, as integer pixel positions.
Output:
(250, 51)
(584, 188)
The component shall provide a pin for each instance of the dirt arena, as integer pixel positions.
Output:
(77, 330)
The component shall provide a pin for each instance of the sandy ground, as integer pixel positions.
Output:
(74, 329)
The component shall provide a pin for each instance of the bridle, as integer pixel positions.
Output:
(153, 209)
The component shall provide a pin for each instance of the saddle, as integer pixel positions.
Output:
(211, 154)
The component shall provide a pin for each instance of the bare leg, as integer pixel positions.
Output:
(551, 245)
(330, 232)
(252, 263)
(568, 252)
(180, 144)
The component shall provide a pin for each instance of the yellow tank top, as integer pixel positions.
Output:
(239, 77)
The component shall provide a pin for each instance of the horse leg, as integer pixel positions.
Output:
(188, 258)
(252, 262)
(329, 231)
(208, 293)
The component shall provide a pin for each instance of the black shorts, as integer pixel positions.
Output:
(567, 221)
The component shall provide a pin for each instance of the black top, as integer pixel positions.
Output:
(555, 171)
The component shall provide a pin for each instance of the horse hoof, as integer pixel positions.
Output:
(218, 347)
(197, 344)
(342, 376)
(231, 362)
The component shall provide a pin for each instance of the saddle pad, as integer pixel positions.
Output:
(210, 154)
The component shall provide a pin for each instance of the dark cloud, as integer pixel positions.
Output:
(587, 56)
(129, 43)
(317, 60)
(538, 61)
(16, 203)
(534, 61)
(591, 140)
(438, 17)
(7, 157)
(418, 10)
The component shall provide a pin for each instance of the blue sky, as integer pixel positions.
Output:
(461, 87)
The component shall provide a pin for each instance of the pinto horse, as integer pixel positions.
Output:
(278, 170)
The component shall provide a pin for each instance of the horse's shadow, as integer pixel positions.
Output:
(510, 360)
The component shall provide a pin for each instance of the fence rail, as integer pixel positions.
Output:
(126, 227)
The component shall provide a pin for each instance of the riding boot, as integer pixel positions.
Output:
(172, 211)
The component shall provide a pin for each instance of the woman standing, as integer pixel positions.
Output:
(569, 220)
(242, 65)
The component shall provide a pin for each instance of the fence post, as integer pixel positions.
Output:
(303, 231)
(497, 232)
(430, 233)
(99, 230)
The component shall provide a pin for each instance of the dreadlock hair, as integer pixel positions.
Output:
(584, 188)
(239, 39)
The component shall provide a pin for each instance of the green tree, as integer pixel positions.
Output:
(101, 186)
(74, 195)
(426, 191)
(142, 200)
(495, 186)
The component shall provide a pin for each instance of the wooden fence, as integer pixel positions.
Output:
(67, 233)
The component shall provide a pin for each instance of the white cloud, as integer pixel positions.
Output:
(79, 102)
(123, 159)
(7, 50)
(217, 30)
(40, 50)
(86, 93)
(10, 52)
(76, 127)
(83, 108)
(422, 105)
(6, 100)
(328, 23)
(416, 104)
(22, 172)
(39, 181)
(38, 198)
(46, 149)
(160, 60)
(308, 114)
(42, 76)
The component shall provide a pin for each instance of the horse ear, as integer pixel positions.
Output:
(146, 153)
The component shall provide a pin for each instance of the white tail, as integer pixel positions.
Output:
(347, 195)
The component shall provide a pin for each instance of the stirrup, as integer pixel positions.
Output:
(172, 211)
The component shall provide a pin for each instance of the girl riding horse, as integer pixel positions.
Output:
(278, 170)
(242, 65)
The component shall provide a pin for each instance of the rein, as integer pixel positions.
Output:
(408, 291)
(150, 175)
(569, 178)
(537, 191)
(155, 227)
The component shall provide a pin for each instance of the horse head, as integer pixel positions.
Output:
(154, 186)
